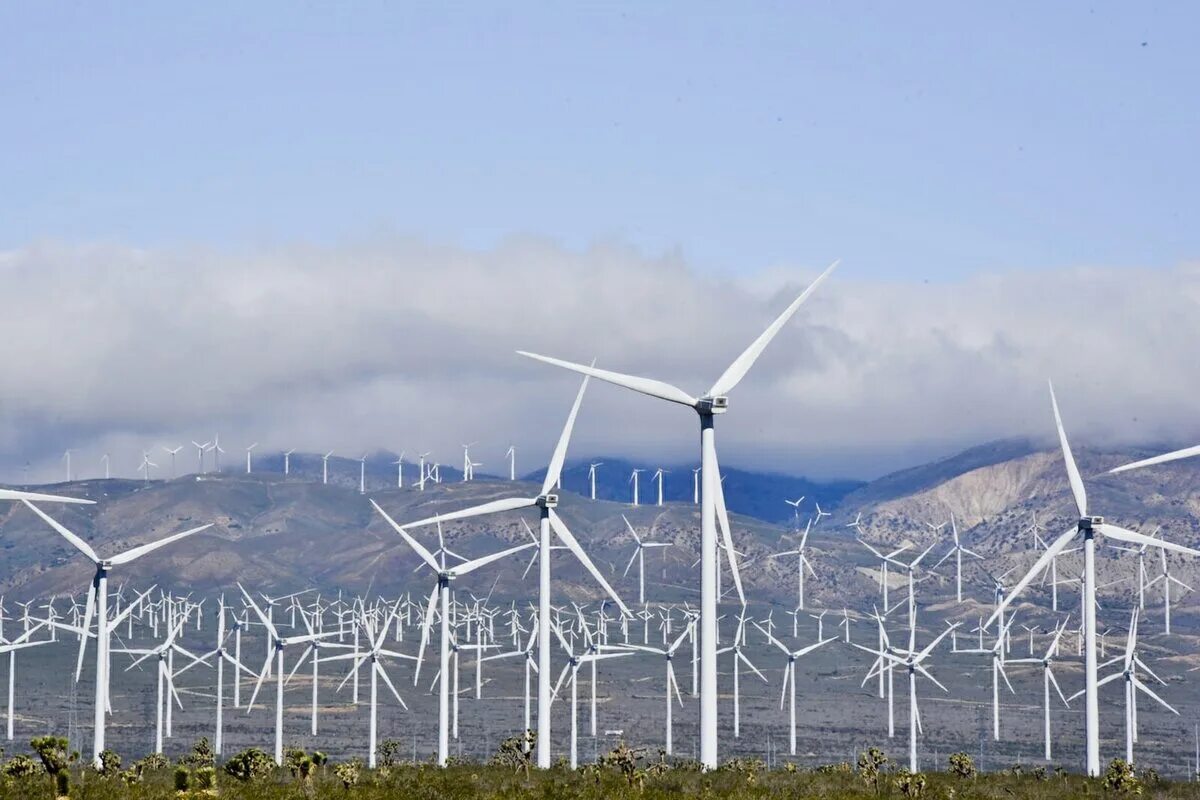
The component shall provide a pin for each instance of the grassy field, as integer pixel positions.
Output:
(623, 773)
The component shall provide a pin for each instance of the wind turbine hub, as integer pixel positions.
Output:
(1088, 523)
(549, 500)
(713, 405)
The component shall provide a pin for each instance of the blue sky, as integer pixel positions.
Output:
(917, 141)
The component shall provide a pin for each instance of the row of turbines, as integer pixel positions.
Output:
(715, 543)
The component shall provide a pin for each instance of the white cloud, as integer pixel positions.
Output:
(402, 344)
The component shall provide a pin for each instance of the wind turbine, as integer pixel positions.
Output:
(172, 454)
(789, 677)
(362, 474)
(592, 476)
(633, 479)
(146, 465)
(795, 504)
(996, 654)
(696, 486)
(399, 462)
(217, 451)
(911, 660)
(739, 642)
(658, 476)
(909, 567)
(22, 642)
(249, 450)
(1088, 527)
(546, 502)
(98, 602)
(530, 663)
(957, 551)
(714, 402)
(200, 448)
(639, 555)
(672, 685)
(441, 596)
(376, 639)
(166, 678)
(468, 471)
(67, 458)
(1048, 679)
(802, 563)
(325, 467)
(1167, 579)
(279, 643)
(421, 471)
(511, 455)
(571, 670)
(104, 459)
(287, 461)
(222, 655)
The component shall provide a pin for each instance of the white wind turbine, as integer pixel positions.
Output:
(911, 660)
(440, 596)
(592, 475)
(222, 655)
(639, 555)
(795, 504)
(217, 451)
(789, 677)
(200, 450)
(22, 642)
(1048, 680)
(739, 657)
(421, 474)
(249, 451)
(1088, 527)
(146, 465)
(957, 551)
(399, 462)
(279, 644)
(362, 474)
(696, 486)
(633, 479)
(1130, 663)
(571, 670)
(530, 663)
(712, 508)
(909, 567)
(166, 679)
(172, 453)
(325, 467)
(1167, 579)
(97, 602)
(996, 655)
(287, 461)
(658, 476)
(467, 471)
(376, 639)
(511, 455)
(672, 685)
(802, 563)
(546, 502)
(67, 459)
(104, 459)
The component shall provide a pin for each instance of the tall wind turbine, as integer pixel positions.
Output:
(217, 451)
(511, 455)
(789, 677)
(696, 486)
(802, 563)
(362, 474)
(672, 685)
(249, 450)
(97, 602)
(287, 461)
(146, 465)
(399, 462)
(278, 644)
(545, 502)
(592, 476)
(633, 479)
(714, 402)
(440, 596)
(639, 555)
(325, 467)
(173, 453)
(1088, 527)
(658, 476)
(107, 465)
(67, 459)
(1048, 680)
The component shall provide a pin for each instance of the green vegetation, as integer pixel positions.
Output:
(625, 773)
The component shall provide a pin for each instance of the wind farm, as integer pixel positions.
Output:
(599, 401)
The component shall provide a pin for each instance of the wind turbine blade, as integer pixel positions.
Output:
(569, 540)
(1003, 674)
(1072, 470)
(261, 616)
(803, 651)
(753, 668)
(1057, 688)
(1042, 563)
(1114, 532)
(262, 676)
(296, 666)
(13, 494)
(383, 674)
(921, 669)
(80, 544)
(632, 559)
(663, 391)
(636, 538)
(141, 550)
(737, 370)
(89, 610)
(929, 648)
(554, 470)
(1187, 452)
(425, 555)
(674, 684)
(494, 507)
(771, 638)
(558, 684)
(471, 566)
(726, 536)
(1147, 690)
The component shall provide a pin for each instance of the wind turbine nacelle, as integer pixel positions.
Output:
(1088, 523)
(714, 405)
(548, 500)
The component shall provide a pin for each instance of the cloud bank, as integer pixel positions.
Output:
(402, 344)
